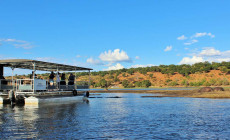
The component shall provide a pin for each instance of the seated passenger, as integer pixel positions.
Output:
(71, 79)
(31, 75)
(63, 79)
(3, 81)
(51, 78)
(2, 77)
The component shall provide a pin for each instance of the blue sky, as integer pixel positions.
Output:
(112, 34)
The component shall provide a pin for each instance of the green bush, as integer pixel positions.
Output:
(168, 80)
(146, 83)
(131, 85)
(173, 83)
(111, 77)
(116, 79)
(225, 81)
(138, 84)
(212, 82)
(103, 83)
(125, 83)
(184, 82)
(207, 84)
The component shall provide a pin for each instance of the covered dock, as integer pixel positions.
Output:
(34, 85)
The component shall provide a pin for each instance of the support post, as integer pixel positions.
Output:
(1, 71)
(89, 79)
(34, 78)
(12, 74)
(1, 75)
(57, 80)
(75, 77)
(12, 77)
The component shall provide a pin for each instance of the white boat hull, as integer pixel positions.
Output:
(53, 100)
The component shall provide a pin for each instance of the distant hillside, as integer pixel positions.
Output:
(157, 79)
(199, 74)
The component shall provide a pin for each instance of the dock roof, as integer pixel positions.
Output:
(39, 65)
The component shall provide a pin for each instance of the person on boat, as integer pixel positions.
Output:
(3, 80)
(58, 79)
(51, 78)
(32, 76)
(71, 79)
(2, 77)
(63, 79)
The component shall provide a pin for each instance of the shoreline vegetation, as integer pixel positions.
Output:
(201, 74)
(193, 93)
(196, 75)
(162, 78)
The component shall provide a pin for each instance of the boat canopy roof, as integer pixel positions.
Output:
(39, 65)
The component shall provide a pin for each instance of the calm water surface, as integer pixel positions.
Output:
(129, 117)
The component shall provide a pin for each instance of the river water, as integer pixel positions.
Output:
(128, 117)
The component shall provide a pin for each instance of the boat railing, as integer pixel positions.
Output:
(7, 84)
(82, 84)
(30, 85)
(63, 85)
(22, 86)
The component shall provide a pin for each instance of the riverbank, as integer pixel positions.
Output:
(193, 93)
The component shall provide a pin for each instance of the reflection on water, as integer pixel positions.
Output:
(129, 117)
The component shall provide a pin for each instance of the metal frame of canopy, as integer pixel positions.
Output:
(39, 65)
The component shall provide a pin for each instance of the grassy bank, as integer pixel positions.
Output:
(174, 93)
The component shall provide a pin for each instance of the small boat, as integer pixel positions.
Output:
(40, 91)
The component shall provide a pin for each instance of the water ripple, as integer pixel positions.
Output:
(129, 117)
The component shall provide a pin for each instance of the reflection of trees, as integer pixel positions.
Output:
(12, 122)
(33, 122)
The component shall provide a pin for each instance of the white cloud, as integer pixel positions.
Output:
(137, 57)
(94, 61)
(138, 66)
(78, 56)
(115, 56)
(218, 59)
(183, 37)
(219, 56)
(168, 48)
(13, 40)
(24, 46)
(210, 51)
(18, 43)
(193, 60)
(191, 42)
(211, 35)
(226, 53)
(203, 34)
(199, 34)
(209, 54)
(115, 67)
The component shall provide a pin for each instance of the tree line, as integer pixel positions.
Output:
(183, 69)
(108, 78)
